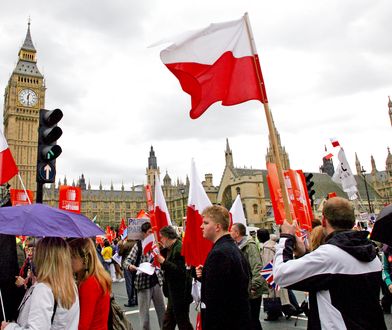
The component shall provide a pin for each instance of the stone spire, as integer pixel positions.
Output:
(358, 165)
(284, 156)
(111, 185)
(28, 42)
(372, 161)
(122, 185)
(390, 108)
(152, 160)
(228, 155)
(388, 162)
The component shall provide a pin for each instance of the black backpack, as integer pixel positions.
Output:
(117, 319)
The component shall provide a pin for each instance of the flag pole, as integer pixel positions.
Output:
(2, 306)
(271, 127)
(24, 188)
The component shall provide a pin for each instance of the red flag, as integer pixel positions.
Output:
(217, 63)
(195, 247)
(276, 195)
(122, 227)
(8, 168)
(142, 215)
(329, 156)
(162, 216)
(109, 234)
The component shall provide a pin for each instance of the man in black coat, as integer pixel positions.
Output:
(177, 282)
(224, 277)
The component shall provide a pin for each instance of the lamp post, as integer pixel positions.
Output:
(182, 192)
(366, 188)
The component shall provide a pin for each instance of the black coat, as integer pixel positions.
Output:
(177, 282)
(224, 289)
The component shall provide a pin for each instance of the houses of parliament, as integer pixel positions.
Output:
(24, 96)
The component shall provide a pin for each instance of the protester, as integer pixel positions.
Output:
(258, 284)
(317, 237)
(177, 282)
(52, 302)
(94, 285)
(27, 272)
(386, 300)
(148, 287)
(267, 251)
(225, 276)
(118, 271)
(107, 254)
(124, 250)
(343, 276)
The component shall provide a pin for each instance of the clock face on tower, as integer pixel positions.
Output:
(28, 97)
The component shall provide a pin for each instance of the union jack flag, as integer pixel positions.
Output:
(305, 237)
(266, 272)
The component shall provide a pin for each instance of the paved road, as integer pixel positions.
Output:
(293, 323)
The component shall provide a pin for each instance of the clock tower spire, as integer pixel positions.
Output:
(23, 97)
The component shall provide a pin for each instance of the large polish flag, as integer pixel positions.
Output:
(162, 216)
(8, 168)
(195, 247)
(237, 211)
(217, 63)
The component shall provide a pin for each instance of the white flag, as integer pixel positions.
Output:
(237, 212)
(345, 177)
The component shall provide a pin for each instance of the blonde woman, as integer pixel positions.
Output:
(94, 285)
(52, 302)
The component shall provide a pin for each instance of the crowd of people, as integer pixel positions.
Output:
(67, 283)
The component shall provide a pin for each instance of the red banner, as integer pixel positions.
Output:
(300, 207)
(70, 198)
(19, 196)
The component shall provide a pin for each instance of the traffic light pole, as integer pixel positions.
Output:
(39, 193)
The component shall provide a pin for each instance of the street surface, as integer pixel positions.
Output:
(282, 324)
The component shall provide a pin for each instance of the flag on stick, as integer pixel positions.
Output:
(335, 142)
(162, 216)
(344, 176)
(237, 212)
(122, 227)
(216, 63)
(8, 168)
(147, 243)
(195, 247)
(267, 273)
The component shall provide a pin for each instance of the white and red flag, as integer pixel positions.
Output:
(344, 176)
(237, 212)
(335, 142)
(195, 247)
(217, 63)
(148, 243)
(8, 168)
(162, 216)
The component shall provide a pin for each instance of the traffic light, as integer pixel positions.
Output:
(48, 150)
(309, 187)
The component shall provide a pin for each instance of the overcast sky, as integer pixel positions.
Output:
(327, 67)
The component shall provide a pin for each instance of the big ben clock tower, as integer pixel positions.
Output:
(23, 97)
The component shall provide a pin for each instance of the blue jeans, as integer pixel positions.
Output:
(130, 286)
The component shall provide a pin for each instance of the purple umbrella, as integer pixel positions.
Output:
(43, 220)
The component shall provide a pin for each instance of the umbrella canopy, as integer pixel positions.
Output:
(44, 220)
(382, 229)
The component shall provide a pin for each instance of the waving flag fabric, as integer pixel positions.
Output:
(215, 64)
(162, 216)
(237, 212)
(267, 273)
(8, 168)
(195, 248)
(147, 243)
(344, 176)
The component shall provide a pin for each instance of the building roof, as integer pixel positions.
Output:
(27, 68)
(28, 42)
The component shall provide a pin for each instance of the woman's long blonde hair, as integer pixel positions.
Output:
(85, 249)
(52, 259)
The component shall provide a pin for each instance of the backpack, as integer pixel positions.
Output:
(117, 319)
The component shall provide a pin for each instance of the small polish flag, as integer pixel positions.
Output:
(335, 142)
(147, 243)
